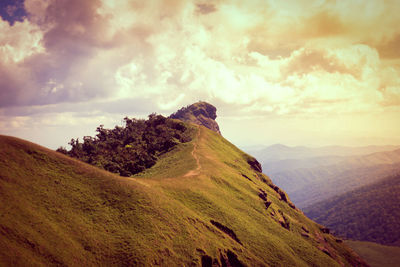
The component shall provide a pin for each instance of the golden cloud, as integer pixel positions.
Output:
(254, 53)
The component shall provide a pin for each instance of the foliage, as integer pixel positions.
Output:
(370, 213)
(132, 148)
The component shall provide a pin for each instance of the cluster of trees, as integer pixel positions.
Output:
(131, 148)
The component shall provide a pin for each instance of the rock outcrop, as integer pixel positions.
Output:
(255, 165)
(201, 113)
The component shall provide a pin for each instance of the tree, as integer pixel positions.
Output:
(131, 148)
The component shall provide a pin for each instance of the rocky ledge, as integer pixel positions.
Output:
(201, 113)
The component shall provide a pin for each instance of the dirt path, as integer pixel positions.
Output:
(195, 156)
(138, 180)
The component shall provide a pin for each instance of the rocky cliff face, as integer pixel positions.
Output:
(201, 113)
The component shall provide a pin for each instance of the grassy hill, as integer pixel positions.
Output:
(201, 204)
(376, 255)
(369, 213)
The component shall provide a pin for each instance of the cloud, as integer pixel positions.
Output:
(70, 66)
(12, 11)
(205, 8)
(390, 48)
(260, 57)
(305, 61)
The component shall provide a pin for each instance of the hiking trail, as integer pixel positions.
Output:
(195, 156)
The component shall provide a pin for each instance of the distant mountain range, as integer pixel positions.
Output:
(353, 191)
(368, 213)
(311, 175)
(280, 152)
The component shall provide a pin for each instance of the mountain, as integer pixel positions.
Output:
(204, 202)
(311, 180)
(280, 152)
(369, 213)
(200, 113)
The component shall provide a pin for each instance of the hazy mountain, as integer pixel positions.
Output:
(281, 152)
(309, 180)
(369, 213)
(308, 186)
(204, 202)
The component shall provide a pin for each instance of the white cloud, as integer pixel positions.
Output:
(256, 57)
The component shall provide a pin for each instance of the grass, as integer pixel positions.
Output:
(174, 163)
(61, 211)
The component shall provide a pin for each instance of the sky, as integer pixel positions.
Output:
(306, 72)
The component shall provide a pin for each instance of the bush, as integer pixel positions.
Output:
(131, 148)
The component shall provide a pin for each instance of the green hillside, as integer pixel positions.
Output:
(201, 204)
(376, 255)
(369, 213)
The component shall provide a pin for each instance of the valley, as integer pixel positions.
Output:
(368, 213)
(311, 179)
(352, 191)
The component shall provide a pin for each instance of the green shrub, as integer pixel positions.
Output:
(131, 148)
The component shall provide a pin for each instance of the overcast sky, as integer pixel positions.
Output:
(293, 72)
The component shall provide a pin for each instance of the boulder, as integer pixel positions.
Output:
(200, 113)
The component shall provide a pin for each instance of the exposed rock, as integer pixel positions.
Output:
(284, 221)
(261, 177)
(305, 234)
(216, 262)
(200, 251)
(206, 261)
(276, 188)
(325, 250)
(254, 164)
(325, 230)
(245, 176)
(283, 196)
(230, 259)
(273, 213)
(226, 230)
(305, 229)
(200, 113)
(263, 195)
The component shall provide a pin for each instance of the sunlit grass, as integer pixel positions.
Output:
(60, 210)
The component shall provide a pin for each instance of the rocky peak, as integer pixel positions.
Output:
(201, 113)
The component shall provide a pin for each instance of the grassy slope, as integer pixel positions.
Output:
(376, 255)
(57, 210)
